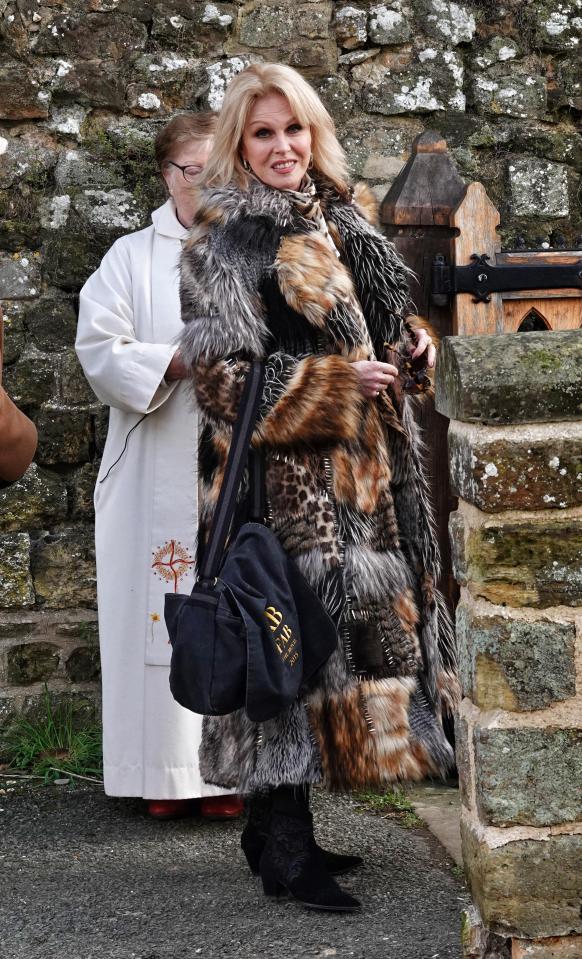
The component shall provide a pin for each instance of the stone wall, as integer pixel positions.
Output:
(515, 403)
(83, 88)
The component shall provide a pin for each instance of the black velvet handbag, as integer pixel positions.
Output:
(252, 633)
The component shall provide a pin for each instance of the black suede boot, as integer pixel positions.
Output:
(291, 860)
(254, 837)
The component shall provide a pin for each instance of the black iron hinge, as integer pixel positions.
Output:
(482, 279)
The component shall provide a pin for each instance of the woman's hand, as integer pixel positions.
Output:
(374, 377)
(177, 370)
(423, 344)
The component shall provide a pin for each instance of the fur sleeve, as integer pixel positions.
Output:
(221, 309)
(300, 398)
(379, 273)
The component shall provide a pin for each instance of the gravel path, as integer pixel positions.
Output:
(86, 877)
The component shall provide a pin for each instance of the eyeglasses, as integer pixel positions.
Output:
(189, 172)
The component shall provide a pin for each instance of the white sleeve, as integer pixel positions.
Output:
(122, 371)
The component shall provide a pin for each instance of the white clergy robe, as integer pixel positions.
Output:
(145, 509)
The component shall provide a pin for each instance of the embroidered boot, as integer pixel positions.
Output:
(254, 837)
(291, 860)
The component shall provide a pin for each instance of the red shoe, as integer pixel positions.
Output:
(221, 807)
(169, 808)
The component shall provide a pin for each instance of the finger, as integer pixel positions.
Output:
(431, 355)
(378, 367)
(387, 370)
(422, 344)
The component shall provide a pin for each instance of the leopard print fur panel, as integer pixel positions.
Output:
(303, 513)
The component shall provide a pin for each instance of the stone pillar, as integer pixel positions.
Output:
(515, 452)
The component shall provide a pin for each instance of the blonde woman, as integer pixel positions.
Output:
(282, 265)
(146, 493)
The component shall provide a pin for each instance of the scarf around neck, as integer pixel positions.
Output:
(306, 202)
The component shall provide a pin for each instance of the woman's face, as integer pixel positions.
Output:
(192, 154)
(275, 144)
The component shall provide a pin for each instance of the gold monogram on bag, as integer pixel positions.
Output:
(285, 642)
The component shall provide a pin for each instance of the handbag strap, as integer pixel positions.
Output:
(235, 464)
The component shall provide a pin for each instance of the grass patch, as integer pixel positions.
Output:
(62, 737)
(390, 804)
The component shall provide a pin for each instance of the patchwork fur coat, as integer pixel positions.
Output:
(346, 490)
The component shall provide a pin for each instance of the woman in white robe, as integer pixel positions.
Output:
(129, 317)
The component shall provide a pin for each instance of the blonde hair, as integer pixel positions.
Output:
(182, 129)
(225, 162)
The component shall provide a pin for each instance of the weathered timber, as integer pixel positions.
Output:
(415, 217)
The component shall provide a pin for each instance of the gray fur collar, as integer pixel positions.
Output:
(230, 203)
(236, 241)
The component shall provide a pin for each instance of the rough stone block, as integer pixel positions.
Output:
(520, 562)
(15, 628)
(83, 665)
(171, 29)
(462, 756)
(447, 22)
(31, 663)
(567, 91)
(64, 436)
(315, 59)
(313, 21)
(21, 96)
(528, 776)
(558, 26)
(351, 26)
(267, 26)
(74, 388)
(109, 210)
(92, 83)
(85, 629)
(14, 329)
(538, 187)
(80, 489)
(514, 664)
(337, 97)
(387, 25)
(563, 947)
(68, 119)
(25, 162)
(63, 569)
(16, 589)
(77, 254)
(219, 76)
(19, 276)
(499, 92)
(528, 888)
(37, 500)
(411, 87)
(32, 381)
(194, 28)
(51, 323)
(510, 378)
(520, 467)
(19, 222)
(78, 169)
(500, 49)
(478, 942)
(91, 36)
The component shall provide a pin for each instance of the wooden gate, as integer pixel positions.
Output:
(430, 212)
(513, 311)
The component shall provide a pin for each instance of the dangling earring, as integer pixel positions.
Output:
(246, 165)
(310, 164)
